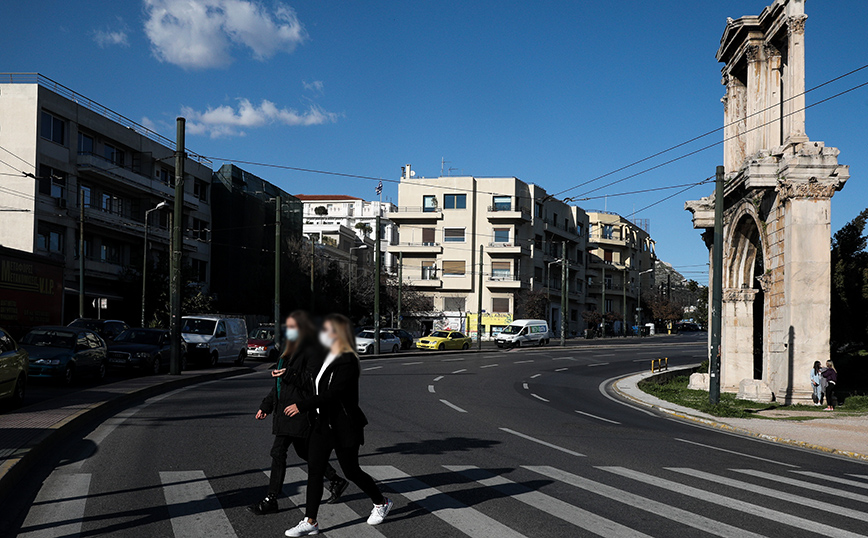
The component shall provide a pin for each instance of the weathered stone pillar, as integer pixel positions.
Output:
(772, 116)
(735, 124)
(794, 78)
(756, 97)
(737, 343)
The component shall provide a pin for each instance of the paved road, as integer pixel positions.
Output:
(504, 444)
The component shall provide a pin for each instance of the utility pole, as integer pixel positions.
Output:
(377, 287)
(400, 284)
(564, 293)
(312, 256)
(81, 252)
(603, 287)
(479, 304)
(177, 248)
(716, 290)
(277, 251)
(624, 294)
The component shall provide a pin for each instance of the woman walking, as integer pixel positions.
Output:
(817, 383)
(338, 424)
(293, 380)
(831, 375)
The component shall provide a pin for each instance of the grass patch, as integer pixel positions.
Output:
(675, 391)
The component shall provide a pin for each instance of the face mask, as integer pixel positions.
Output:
(291, 334)
(326, 339)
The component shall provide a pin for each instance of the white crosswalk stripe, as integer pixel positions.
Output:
(59, 507)
(550, 505)
(862, 476)
(819, 488)
(735, 504)
(467, 520)
(844, 481)
(769, 492)
(193, 507)
(684, 517)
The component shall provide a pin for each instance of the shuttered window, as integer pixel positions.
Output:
(501, 269)
(428, 235)
(454, 268)
(500, 304)
(453, 235)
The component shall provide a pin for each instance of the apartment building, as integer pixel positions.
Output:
(619, 251)
(451, 228)
(63, 154)
(333, 211)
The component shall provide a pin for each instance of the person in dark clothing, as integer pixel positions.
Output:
(831, 375)
(293, 380)
(338, 425)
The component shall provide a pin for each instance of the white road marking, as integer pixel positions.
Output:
(523, 362)
(814, 504)
(544, 443)
(684, 517)
(411, 363)
(602, 387)
(453, 406)
(524, 385)
(736, 453)
(596, 417)
(438, 378)
(431, 388)
(605, 355)
(452, 360)
(641, 360)
(734, 504)
(372, 368)
(598, 364)
(836, 480)
(837, 492)
(459, 371)
(193, 507)
(488, 366)
(538, 397)
(862, 476)
(555, 507)
(565, 359)
(467, 520)
(335, 519)
(534, 376)
(561, 369)
(59, 507)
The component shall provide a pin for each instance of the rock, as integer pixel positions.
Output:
(698, 382)
(754, 390)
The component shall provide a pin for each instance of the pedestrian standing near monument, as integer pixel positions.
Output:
(817, 382)
(831, 376)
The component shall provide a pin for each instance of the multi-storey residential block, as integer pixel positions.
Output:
(514, 233)
(619, 252)
(63, 154)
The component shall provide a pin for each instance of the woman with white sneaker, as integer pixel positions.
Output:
(338, 425)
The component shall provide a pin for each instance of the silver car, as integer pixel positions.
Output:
(388, 342)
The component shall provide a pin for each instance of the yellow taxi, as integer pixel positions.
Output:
(441, 340)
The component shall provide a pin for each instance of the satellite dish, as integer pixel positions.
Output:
(412, 173)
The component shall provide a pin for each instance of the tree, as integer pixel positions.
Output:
(364, 227)
(321, 210)
(194, 300)
(664, 309)
(850, 284)
(534, 304)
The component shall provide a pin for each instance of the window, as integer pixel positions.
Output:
(49, 238)
(88, 247)
(607, 255)
(110, 252)
(453, 268)
(52, 182)
(85, 144)
(200, 190)
(608, 231)
(6, 343)
(538, 242)
(579, 229)
(429, 203)
(53, 128)
(428, 237)
(165, 176)
(429, 270)
(501, 235)
(502, 203)
(454, 201)
(500, 304)
(200, 269)
(453, 235)
(84, 190)
(454, 304)
(608, 305)
(501, 270)
(538, 210)
(608, 282)
(199, 229)
(114, 155)
(112, 204)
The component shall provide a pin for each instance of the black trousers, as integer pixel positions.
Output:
(278, 461)
(321, 446)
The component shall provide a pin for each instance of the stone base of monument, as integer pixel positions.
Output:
(698, 382)
(754, 390)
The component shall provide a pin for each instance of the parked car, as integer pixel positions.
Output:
(687, 326)
(444, 340)
(524, 332)
(211, 338)
(108, 329)
(146, 350)
(65, 353)
(13, 369)
(261, 344)
(388, 342)
(405, 337)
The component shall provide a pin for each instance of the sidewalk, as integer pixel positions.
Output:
(29, 432)
(843, 436)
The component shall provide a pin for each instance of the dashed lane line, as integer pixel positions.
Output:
(525, 386)
(541, 442)
(598, 418)
(534, 376)
(411, 363)
(736, 453)
(538, 397)
(431, 388)
(438, 378)
(453, 406)
(598, 364)
(488, 366)
(459, 371)
(561, 369)
(372, 368)
(523, 362)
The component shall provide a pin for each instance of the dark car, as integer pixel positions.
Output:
(108, 329)
(687, 326)
(261, 344)
(405, 337)
(64, 353)
(13, 369)
(146, 350)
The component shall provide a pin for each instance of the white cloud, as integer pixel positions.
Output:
(228, 121)
(109, 36)
(198, 34)
(315, 86)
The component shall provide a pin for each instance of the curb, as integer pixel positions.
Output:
(728, 428)
(15, 468)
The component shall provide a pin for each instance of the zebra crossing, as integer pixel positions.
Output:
(800, 503)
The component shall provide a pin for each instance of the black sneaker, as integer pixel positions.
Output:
(337, 487)
(267, 505)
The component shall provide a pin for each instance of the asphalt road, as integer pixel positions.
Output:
(525, 443)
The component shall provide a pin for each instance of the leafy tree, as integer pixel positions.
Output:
(850, 284)
(321, 210)
(534, 303)
(364, 227)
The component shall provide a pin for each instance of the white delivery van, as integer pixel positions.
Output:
(524, 332)
(212, 338)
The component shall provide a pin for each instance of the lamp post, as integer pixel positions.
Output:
(162, 205)
(639, 300)
(350, 280)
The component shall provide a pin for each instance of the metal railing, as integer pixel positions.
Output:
(505, 244)
(415, 209)
(658, 365)
(502, 208)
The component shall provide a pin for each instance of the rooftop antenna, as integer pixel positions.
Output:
(443, 163)
(449, 172)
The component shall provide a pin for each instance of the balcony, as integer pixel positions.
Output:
(417, 214)
(508, 212)
(567, 231)
(506, 281)
(416, 248)
(507, 249)
(606, 239)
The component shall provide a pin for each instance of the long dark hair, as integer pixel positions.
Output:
(306, 333)
(816, 367)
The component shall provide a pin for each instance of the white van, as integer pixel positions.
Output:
(524, 332)
(211, 338)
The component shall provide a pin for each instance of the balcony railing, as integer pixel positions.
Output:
(415, 209)
(504, 277)
(422, 244)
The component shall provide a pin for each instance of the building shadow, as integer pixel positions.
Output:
(431, 447)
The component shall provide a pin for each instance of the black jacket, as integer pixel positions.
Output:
(338, 402)
(295, 385)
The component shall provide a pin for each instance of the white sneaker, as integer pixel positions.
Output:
(379, 513)
(303, 529)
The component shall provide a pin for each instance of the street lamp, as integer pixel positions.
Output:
(162, 205)
(639, 299)
(350, 280)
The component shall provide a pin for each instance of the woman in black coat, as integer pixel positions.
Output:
(293, 380)
(338, 424)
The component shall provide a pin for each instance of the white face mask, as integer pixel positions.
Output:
(326, 339)
(291, 334)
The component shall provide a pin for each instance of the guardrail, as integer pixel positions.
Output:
(658, 365)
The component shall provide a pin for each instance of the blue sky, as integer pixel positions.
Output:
(554, 93)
